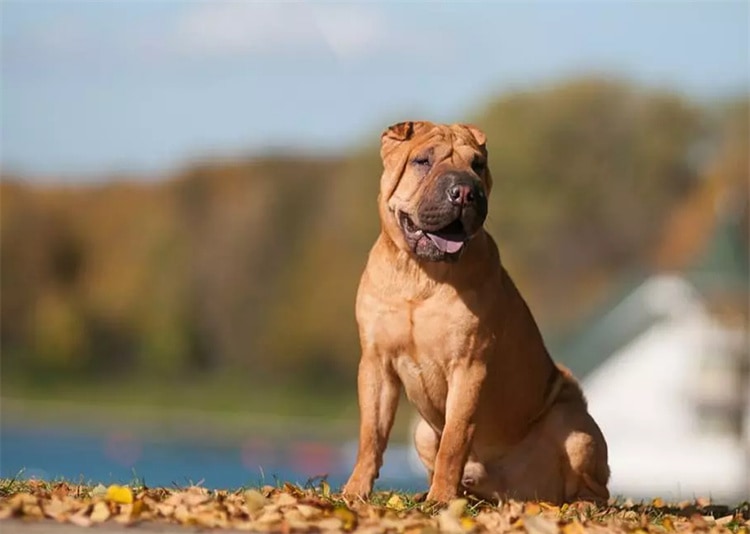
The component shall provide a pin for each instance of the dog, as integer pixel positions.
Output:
(439, 315)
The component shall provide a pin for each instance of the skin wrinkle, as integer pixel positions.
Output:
(460, 339)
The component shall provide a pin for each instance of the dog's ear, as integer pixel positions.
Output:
(397, 133)
(478, 136)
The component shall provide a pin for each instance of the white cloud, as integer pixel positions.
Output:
(243, 28)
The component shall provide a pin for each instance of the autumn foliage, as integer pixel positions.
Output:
(251, 266)
(315, 508)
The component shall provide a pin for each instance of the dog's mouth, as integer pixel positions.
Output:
(449, 239)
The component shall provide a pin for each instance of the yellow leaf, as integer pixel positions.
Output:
(532, 508)
(137, 508)
(396, 503)
(658, 502)
(457, 507)
(667, 524)
(119, 494)
(347, 517)
(468, 523)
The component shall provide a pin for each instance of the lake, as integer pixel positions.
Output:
(120, 456)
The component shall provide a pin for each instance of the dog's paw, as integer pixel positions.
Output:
(441, 494)
(356, 489)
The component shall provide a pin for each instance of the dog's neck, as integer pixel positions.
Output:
(426, 277)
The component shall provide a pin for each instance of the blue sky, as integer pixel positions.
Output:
(96, 87)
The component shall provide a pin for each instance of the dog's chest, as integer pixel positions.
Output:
(432, 338)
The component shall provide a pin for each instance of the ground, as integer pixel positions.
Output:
(31, 507)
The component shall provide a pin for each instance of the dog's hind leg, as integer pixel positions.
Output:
(426, 441)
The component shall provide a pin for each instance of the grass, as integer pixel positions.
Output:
(314, 508)
(230, 405)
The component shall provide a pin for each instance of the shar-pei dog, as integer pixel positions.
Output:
(439, 315)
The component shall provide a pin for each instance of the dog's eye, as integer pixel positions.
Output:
(421, 161)
(479, 165)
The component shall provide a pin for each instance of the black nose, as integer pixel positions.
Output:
(461, 194)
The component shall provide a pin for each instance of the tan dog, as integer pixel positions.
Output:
(438, 313)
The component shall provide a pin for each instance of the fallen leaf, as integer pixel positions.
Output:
(119, 494)
(330, 523)
(347, 517)
(449, 520)
(56, 509)
(395, 502)
(535, 524)
(254, 500)
(724, 520)
(574, 527)
(468, 523)
(100, 490)
(100, 513)
(457, 507)
(286, 500)
(532, 508)
(80, 519)
(308, 512)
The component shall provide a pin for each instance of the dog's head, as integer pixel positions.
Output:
(434, 188)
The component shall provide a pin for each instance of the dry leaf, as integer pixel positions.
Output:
(532, 508)
(119, 494)
(457, 507)
(574, 527)
(80, 519)
(347, 517)
(449, 520)
(535, 524)
(254, 500)
(330, 523)
(724, 520)
(286, 500)
(395, 502)
(308, 512)
(56, 509)
(100, 490)
(100, 513)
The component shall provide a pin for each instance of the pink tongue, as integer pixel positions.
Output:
(446, 245)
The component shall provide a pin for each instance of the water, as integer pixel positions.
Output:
(119, 457)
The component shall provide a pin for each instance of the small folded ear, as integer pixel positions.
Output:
(478, 135)
(397, 133)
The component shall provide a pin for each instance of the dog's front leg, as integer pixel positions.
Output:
(378, 387)
(464, 387)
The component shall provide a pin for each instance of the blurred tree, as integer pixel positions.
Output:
(251, 267)
(584, 173)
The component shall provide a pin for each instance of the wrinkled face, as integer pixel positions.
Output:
(434, 187)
